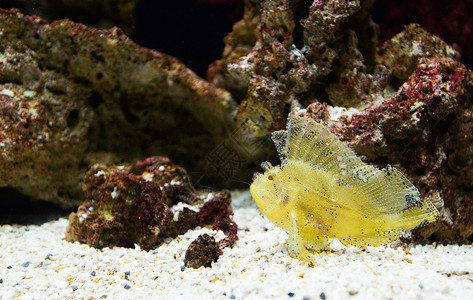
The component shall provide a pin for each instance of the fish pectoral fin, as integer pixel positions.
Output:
(296, 246)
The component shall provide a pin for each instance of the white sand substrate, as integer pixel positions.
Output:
(36, 263)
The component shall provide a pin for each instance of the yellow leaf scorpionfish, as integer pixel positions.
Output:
(322, 190)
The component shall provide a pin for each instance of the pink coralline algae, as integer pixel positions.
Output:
(145, 203)
(404, 52)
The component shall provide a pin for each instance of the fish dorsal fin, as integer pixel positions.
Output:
(308, 141)
(280, 142)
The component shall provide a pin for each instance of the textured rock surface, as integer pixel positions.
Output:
(202, 252)
(426, 129)
(403, 53)
(286, 50)
(71, 96)
(144, 204)
(450, 20)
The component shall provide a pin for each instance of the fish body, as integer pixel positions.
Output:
(322, 190)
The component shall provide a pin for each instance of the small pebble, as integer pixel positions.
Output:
(290, 294)
(7, 92)
(26, 264)
(322, 296)
(93, 273)
(127, 286)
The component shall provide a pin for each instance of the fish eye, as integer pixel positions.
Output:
(270, 176)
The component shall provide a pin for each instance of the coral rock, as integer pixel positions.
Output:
(404, 52)
(72, 96)
(450, 20)
(286, 50)
(202, 252)
(283, 51)
(101, 14)
(144, 204)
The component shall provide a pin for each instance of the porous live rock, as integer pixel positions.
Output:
(72, 96)
(426, 130)
(289, 51)
(404, 52)
(286, 50)
(450, 20)
(202, 252)
(144, 204)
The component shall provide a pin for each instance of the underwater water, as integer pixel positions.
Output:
(124, 124)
